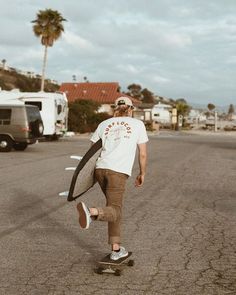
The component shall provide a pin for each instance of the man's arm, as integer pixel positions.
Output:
(142, 157)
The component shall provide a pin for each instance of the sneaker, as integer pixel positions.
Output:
(117, 255)
(84, 215)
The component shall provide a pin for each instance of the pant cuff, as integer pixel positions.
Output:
(114, 240)
(100, 214)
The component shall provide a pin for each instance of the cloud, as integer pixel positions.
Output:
(176, 48)
(76, 41)
(160, 79)
(129, 68)
(177, 40)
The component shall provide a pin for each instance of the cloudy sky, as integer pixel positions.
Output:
(175, 48)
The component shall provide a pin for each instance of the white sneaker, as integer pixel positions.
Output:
(84, 215)
(117, 255)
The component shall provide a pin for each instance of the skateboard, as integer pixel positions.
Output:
(106, 265)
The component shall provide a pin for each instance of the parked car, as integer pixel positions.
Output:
(20, 125)
(53, 108)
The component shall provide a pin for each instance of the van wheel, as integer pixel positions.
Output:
(20, 146)
(37, 128)
(6, 143)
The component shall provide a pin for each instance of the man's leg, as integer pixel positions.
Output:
(113, 186)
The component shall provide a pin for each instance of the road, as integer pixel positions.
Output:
(181, 225)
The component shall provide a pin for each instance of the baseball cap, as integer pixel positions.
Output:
(123, 100)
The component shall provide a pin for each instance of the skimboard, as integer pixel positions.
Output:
(83, 176)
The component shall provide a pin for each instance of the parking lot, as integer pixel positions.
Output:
(181, 226)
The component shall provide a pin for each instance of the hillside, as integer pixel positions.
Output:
(10, 80)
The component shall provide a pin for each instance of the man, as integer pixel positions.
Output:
(120, 136)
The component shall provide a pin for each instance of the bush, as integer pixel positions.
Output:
(83, 116)
(148, 126)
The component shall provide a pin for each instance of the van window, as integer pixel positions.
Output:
(5, 117)
(33, 114)
(35, 103)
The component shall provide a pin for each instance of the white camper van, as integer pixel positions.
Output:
(53, 108)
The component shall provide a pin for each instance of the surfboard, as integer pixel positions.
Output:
(83, 177)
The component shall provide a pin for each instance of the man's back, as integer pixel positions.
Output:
(120, 136)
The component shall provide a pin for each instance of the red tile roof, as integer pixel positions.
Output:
(103, 93)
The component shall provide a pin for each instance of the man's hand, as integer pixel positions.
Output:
(139, 180)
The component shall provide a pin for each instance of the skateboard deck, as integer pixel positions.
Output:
(83, 176)
(106, 265)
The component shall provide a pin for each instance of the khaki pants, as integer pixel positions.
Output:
(113, 186)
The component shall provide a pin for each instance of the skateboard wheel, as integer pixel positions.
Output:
(131, 262)
(117, 272)
(99, 271)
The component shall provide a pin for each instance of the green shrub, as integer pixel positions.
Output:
(83, 116)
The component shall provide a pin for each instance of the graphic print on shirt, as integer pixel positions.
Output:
(118, 129)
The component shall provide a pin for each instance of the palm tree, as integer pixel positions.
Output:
(47, 26)
(182, 110)
(231, 112)
(4, 63)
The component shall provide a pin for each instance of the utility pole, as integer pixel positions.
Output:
(215, 121)
(174, 120)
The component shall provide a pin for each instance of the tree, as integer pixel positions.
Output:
(144, 95)
(47, 26)
(230, 111)
(134, 90)
(4, 63)
(211, 106)
(147, 96)
(83, 116)
(182, 109)
(181, 100)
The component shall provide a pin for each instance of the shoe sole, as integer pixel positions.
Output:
(120, 257)
(82, 216)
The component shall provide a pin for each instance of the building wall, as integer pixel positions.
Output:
(106, 108)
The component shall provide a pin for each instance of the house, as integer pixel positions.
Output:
(156, 115)
(162, 113)
(196, 116)
(105, 93)
(233, 117)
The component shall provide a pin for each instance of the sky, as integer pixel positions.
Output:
(174, 48)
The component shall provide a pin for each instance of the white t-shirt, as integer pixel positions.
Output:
(120, 136)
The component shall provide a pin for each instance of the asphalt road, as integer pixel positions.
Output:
(181, 225)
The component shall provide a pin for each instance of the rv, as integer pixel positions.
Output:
(53, 108)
